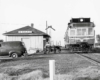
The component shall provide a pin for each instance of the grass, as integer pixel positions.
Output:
(36, 67)
(95, 56)
(89, 73)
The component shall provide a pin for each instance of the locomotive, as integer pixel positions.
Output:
(80, 35)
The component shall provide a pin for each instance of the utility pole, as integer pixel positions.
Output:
(6, 37)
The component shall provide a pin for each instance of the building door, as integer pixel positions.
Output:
(27, 43)
(44, 43)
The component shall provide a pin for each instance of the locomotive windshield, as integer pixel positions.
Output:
(72, 32)
(90, 31)
(82, 32)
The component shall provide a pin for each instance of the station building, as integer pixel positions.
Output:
(32, 37)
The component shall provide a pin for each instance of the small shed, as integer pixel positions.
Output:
(32, 37)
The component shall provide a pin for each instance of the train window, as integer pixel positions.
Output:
(78, 31)
(83, 31)
(90, 31)
(72, 32)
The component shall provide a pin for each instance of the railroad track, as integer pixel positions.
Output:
(94, 61)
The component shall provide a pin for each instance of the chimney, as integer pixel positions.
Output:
(32, 25)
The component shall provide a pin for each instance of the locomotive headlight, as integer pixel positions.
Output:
(81, 20)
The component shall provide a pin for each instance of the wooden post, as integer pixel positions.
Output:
(51, 69)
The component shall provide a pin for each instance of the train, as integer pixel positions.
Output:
(80, 35)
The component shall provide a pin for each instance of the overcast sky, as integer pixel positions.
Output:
(19, 13)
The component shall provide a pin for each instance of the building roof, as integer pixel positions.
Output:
(26, 31)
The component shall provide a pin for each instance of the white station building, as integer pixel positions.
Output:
(33, 39)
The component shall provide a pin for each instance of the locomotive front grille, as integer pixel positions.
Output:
(76, 40)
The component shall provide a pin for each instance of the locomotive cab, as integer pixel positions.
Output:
(80, 30)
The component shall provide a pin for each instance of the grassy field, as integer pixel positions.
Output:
(95, 56)
(36, 67)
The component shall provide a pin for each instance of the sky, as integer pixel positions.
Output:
(15, 14)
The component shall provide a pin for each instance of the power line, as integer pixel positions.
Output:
(13, 24)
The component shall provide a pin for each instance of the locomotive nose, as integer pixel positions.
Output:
(83, 40)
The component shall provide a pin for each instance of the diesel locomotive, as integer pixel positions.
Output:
(80, 35)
